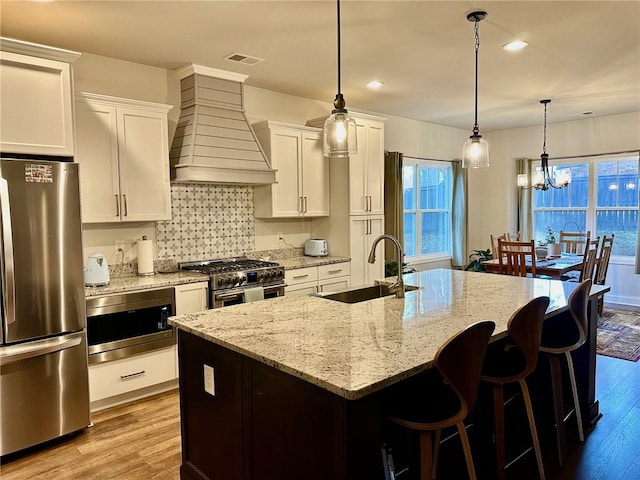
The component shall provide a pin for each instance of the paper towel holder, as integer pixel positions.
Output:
(149, 252)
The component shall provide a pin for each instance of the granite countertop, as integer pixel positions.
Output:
(356, 349)
(292, 263)
(129, 283)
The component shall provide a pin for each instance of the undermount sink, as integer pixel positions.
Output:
(362, 294)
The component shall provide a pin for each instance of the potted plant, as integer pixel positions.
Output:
(477, 258)
(554, 249)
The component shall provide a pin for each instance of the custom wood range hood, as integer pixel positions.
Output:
(214, 142)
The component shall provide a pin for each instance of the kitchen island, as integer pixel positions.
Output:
(296, 383)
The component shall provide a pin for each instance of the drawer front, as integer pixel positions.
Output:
(301, 275)
(129, 374)
(334, 270)
(302, 289)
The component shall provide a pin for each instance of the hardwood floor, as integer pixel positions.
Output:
(141, 440)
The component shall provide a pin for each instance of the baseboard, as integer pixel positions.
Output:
(621, 300)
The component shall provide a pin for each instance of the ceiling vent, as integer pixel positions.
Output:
(214, 142)
(242, 58)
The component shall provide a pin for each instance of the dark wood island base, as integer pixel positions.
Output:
(263, 424)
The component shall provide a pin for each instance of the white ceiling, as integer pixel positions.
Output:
(585, 56)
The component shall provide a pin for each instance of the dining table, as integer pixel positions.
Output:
(552, 267)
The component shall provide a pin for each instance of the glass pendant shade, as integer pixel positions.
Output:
(475, 153)
(339, 134)
(339, 139)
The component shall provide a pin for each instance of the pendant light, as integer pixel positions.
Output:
(475, 152)
(339, 136)
(543, 178)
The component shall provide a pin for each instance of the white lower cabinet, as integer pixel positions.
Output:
(137, 376)
(191, 297)
(133, 373)
(324, 278)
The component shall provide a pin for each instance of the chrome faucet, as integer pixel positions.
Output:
(398, 287)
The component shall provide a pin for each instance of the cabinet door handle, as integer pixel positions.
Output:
(131, 375)
(301, 276)
(126, 209)
(366, 203)
(335, 271)
(117, 206)
(300, 209)
(305, 204)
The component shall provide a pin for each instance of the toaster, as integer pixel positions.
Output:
(316, 247)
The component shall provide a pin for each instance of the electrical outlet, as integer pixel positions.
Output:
(279, 237)
(209, 382)
(119, 245)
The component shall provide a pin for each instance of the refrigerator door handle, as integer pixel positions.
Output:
(16, 353)
(8, 276)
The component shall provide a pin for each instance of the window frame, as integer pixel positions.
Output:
(592, 208)
(435, 256)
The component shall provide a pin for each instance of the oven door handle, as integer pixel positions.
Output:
(228, 296)
(239, 293)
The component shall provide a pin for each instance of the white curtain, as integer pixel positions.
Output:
(459, 216)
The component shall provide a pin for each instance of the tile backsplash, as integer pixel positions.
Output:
(207, 221)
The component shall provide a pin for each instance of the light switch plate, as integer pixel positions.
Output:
(209, 381)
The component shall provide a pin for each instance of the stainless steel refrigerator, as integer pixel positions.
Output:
(44, 388)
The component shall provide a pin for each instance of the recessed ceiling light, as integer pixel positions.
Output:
(374, 84)
(515, 45)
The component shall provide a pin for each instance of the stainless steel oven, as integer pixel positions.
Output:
(233, 297)
(229, 278)
(125, 324)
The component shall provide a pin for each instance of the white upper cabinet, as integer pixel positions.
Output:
(37, 99)
(366, 169)
(123, 151)
(302, 188)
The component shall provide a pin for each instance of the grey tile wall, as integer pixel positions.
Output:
(207, 221)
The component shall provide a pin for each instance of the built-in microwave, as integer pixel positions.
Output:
(129, 323)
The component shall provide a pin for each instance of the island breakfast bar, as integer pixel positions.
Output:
(291, 387)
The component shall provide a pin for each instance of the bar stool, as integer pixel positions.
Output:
(513, 364)
(561, 338)
(448, 402)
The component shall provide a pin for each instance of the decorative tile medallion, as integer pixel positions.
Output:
(207, 221)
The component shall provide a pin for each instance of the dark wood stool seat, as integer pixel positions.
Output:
(447, 402)
(560, 337)
(513, 364)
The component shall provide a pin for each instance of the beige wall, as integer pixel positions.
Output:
(492, 191)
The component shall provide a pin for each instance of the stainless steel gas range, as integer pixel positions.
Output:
(230, 277)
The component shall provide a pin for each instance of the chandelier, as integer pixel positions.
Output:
(545, 176)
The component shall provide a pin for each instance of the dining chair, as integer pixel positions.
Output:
(512, 237)
(574, 242)
(602, 265)
(513, 363)
(515, 258)
(450, 398)
(494, 243)
(589, 260)
(561, 336)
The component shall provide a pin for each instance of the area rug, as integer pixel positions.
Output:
(619, 334)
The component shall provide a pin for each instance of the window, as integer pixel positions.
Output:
(602, 198)
(427, 208)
